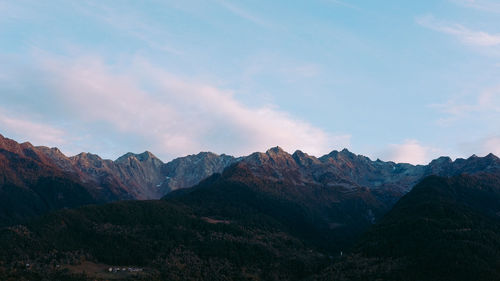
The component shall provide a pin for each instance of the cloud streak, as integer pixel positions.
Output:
(129, 23)
(464, 34)
(482, 5)
(242, 13)
(484, 105)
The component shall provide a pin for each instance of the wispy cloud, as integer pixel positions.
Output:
(24, 129)
(130, 23)
(483, 5)
(485, 105)
(13, 11)
(464, 34)
(243, 13)
(146, 107)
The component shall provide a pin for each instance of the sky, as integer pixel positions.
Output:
(406, 83)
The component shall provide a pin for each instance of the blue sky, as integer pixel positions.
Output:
(406, 83)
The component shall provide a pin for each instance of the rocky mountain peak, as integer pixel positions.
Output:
(146, 155)
(446, 167)
(303, 159)
(205, 155)
(275, 157)
(141, 157)
(9, 145)
(346, 151)
(25, 149)
(441, 160)
(189, 170)
(87, 156)
(337, 155)
(54, 151)
(125, 157)
(86, 159)
(26, 144)
(492, 156)
(276, 150)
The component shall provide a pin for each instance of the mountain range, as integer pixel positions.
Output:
(265, 216)
(86, 178)
(37, 179)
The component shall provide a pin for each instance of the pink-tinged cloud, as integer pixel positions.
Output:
(176, 116)
(491, 145)
(23, 129)
(410, 151)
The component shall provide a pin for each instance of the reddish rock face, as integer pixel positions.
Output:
(23, 167)
(131, 176)
(22, 164)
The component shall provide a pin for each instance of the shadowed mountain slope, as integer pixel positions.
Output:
(444, 229)
(167, 240)
(328, 213)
